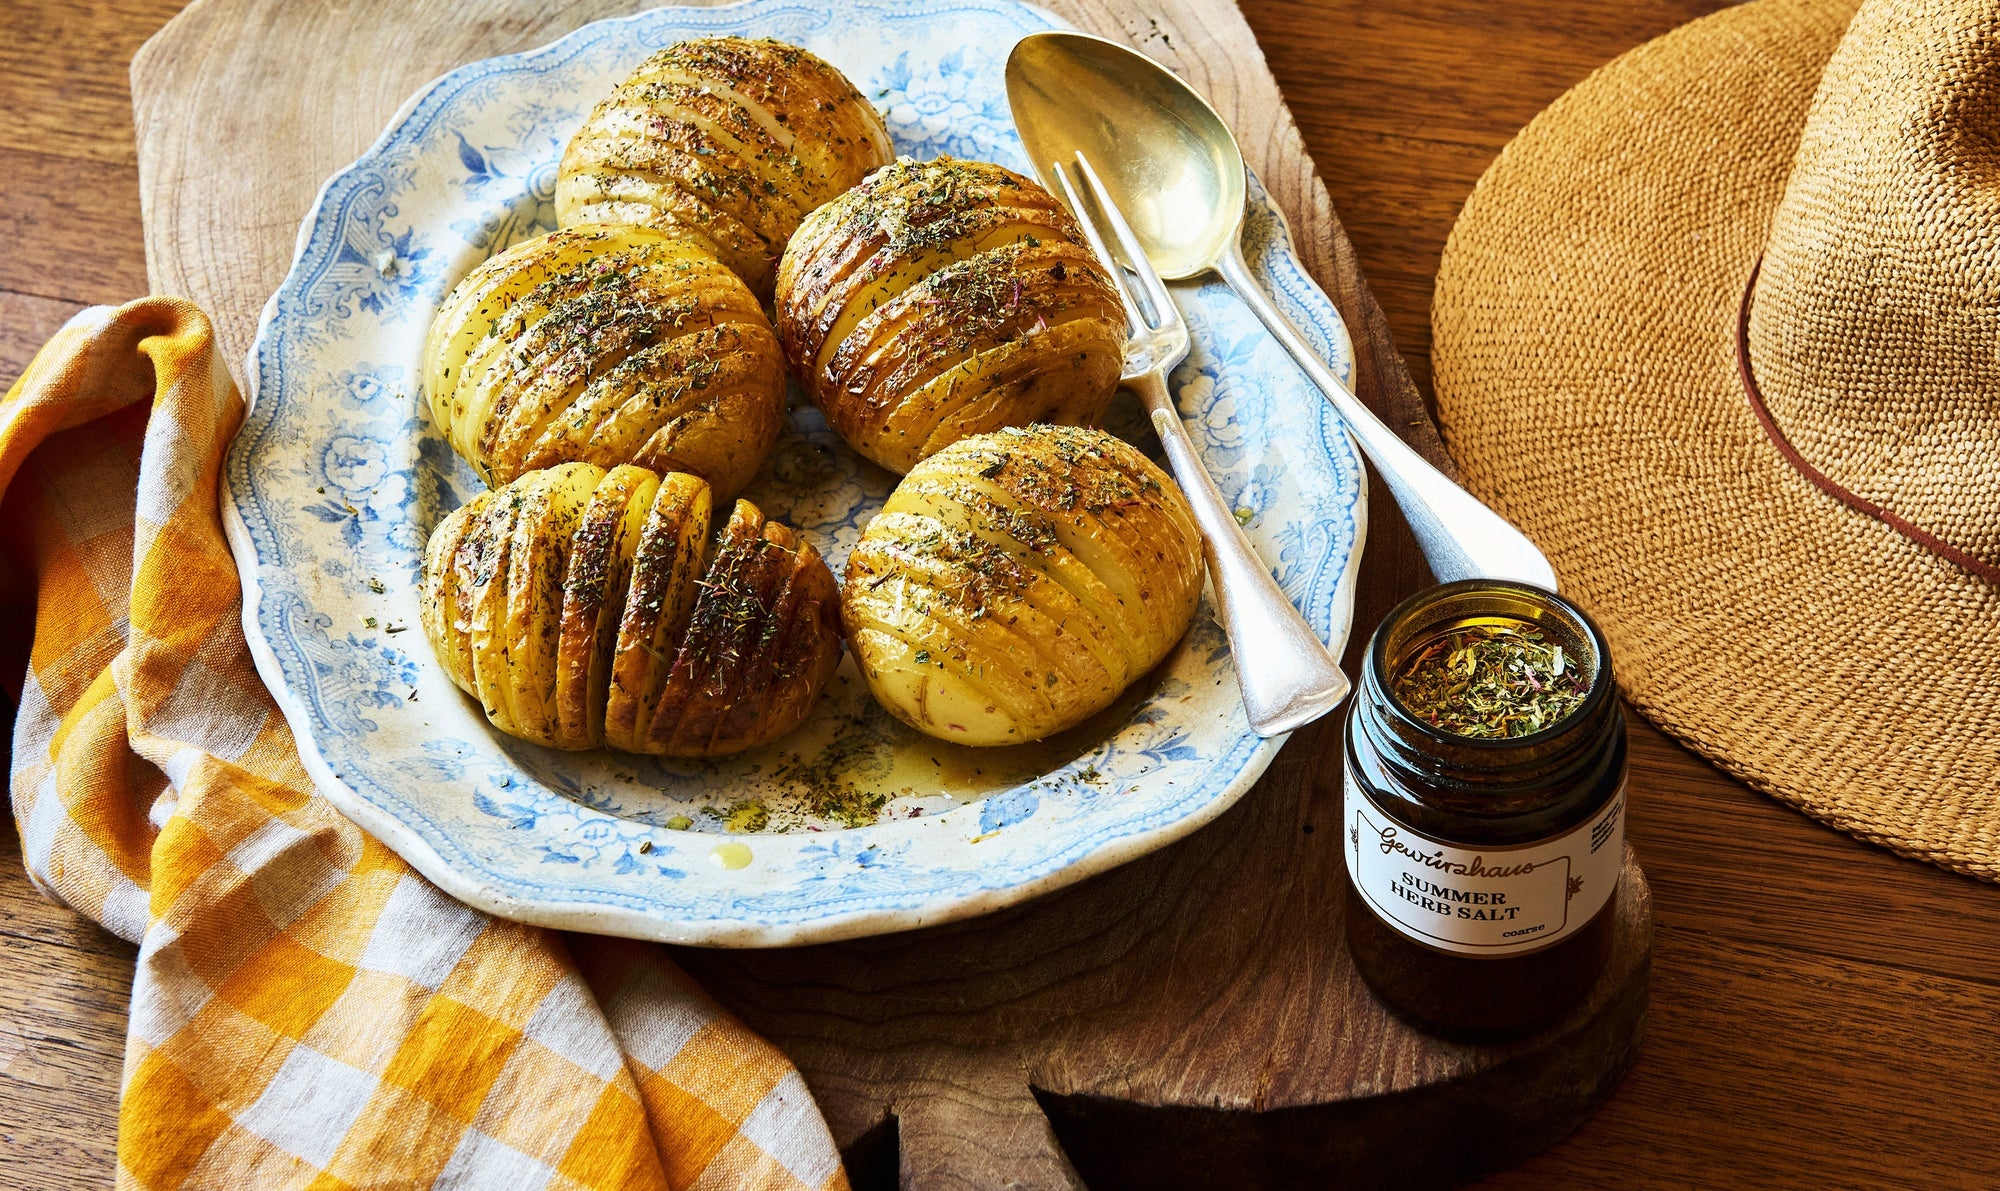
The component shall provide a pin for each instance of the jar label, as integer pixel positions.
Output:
(1484, 901)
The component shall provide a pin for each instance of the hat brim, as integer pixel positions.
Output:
(1584, 354)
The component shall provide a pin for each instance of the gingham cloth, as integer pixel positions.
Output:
(307, 1010)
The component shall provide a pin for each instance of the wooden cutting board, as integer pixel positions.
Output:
(1191, 1019)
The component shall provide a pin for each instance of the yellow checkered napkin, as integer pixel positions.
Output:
(308, 1012)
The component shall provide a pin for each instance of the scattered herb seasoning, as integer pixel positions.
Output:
(1492, 680)
(836, 783)
(747, 817)
(846, 803)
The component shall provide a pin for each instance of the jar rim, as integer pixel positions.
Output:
(1601, 683)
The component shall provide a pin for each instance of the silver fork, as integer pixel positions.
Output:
(1287, 675)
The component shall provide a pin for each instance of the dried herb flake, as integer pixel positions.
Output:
(1492, 681)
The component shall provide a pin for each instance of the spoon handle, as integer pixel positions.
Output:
(1460, 537)
(1287, 675)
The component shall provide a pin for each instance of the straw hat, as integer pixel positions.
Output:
(1780, 496)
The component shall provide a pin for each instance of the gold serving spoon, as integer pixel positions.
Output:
(1170, 164)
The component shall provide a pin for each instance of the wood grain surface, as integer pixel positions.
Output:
(1204, 988)
(1823, 1013)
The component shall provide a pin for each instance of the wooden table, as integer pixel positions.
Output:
(1823, 1013)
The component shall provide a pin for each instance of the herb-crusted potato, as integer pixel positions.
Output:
(724, 139)
(946, 298)
(1016, 582)
(606, 345)
(583, 607)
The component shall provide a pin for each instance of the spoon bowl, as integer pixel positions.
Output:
(1169, 161)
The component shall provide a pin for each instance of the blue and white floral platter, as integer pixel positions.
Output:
(337, 477)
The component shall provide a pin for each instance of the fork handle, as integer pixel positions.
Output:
(1461, 538)
(1287, 675)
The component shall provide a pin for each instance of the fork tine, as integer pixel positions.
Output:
(1135, 253)
(1134, 318)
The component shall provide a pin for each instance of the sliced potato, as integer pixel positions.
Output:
(551, 505)
(726, 141)
(1016, 582)
(609, 346)
(438, 593)
(585, 607)
(942, 299)
(485, 560)
(762, 640)
(670, 559)
(594, 590)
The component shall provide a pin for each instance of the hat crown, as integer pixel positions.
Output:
(1875, 330)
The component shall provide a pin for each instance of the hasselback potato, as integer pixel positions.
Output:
(946, 298)
(606, 345)
(1016, 582)
(727, 140)
(585, 607)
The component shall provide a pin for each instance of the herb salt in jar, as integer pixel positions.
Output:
(1484, 808)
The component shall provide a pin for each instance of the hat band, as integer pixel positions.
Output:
(1860, 504)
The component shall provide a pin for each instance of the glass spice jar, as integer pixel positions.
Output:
(1483, 870)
